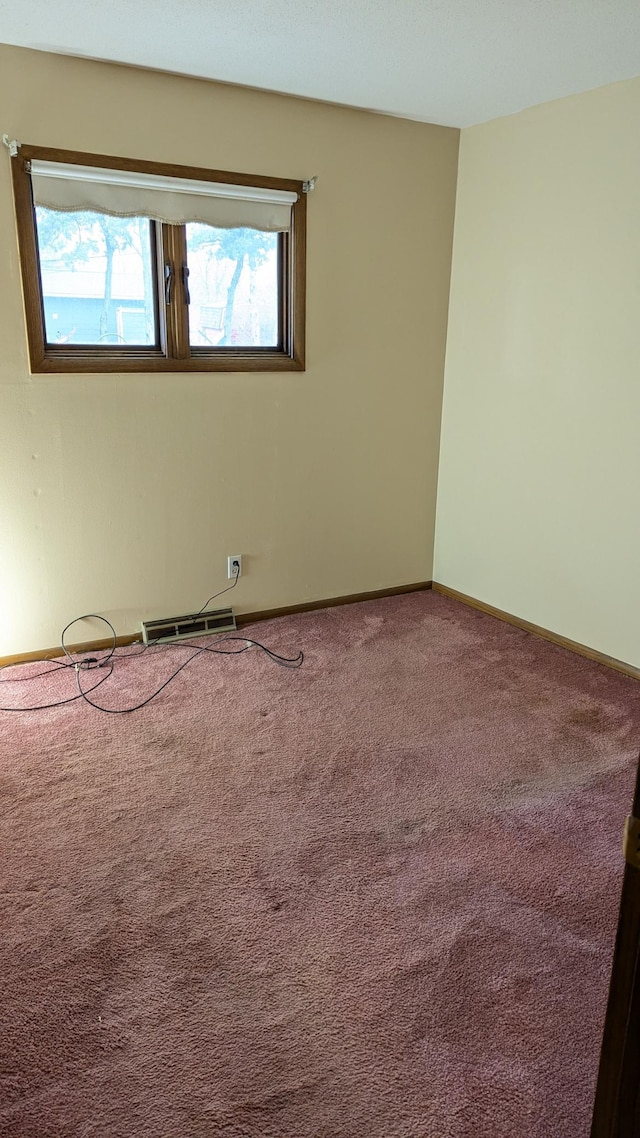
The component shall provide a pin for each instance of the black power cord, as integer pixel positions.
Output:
(91, 660)
(59, 702)
(282, 661)
(91, 663)
(227, 590)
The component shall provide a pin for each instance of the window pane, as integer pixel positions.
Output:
(97, 278)
(233, 284)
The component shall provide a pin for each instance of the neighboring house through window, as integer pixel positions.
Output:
(139, 266)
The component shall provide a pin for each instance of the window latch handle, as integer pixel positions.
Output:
(185, 284)
(168, 281)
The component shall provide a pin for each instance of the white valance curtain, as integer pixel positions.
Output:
(124, 193)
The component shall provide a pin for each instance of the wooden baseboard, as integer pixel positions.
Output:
(354, 598)
(53, 653)
(241, 619)
(331, 602)
(537, 630)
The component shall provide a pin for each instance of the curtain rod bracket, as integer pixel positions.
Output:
(12, 145)
(310, 185)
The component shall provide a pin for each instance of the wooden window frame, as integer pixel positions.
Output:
(173, 353)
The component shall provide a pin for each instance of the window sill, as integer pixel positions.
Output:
(77, 361)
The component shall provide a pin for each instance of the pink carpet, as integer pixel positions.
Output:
(373, 898)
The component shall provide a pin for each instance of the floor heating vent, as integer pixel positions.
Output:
(184, 627)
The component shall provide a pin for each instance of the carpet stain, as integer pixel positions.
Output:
(594, 719)
(368, 899)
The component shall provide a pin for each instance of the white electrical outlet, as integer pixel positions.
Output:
(234, 566)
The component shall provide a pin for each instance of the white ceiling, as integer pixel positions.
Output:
(456, 62)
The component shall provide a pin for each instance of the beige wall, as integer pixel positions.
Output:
(539, 489)
(124, 494)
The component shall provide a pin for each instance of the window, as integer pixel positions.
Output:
(138, 266)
